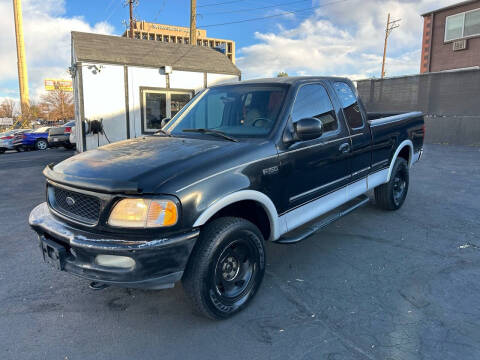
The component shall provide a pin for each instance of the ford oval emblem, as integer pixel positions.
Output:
(70, 201)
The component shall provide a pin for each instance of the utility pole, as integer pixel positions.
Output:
(390, 26)
(21, 62)
(193, 22)
(130, 3)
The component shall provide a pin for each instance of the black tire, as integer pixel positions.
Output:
(41, 144)
(2, 151)
(19, 148)
(68, 146)
(226, 267)
(391, 196)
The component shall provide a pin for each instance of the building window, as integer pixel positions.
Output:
(180, 40)
(159, 37)
(462, 25)
(144, 36)
(472, 23)
(137, 35)
(165, 38)
(229, 47)
(187, 40)
(160, 104)
(173, 39)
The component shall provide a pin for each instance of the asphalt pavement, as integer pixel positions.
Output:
(373, 285)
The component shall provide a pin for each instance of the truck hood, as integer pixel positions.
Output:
(145, 164)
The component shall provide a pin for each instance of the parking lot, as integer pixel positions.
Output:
(373, 285)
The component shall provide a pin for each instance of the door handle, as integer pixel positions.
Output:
(344, 148)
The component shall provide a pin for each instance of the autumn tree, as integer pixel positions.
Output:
(282, 74)
(58, 105)
(7, 108)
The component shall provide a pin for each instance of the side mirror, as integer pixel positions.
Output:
(164, 122)
(308, 129)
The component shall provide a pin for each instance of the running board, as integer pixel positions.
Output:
(305, 231)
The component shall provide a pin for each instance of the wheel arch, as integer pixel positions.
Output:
(236, 199)
(405, 147)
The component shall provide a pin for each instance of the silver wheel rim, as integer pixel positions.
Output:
(41, 145)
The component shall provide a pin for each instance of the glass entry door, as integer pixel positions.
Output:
(160, 104)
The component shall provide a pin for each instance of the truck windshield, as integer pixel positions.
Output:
(237, 110)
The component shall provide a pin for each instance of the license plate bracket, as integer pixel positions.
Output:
(53, 254)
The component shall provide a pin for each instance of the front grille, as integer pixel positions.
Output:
(78, 206)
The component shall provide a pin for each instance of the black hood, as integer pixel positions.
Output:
(149, 162)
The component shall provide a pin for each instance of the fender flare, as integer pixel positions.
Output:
(404, 143)
(276, 227)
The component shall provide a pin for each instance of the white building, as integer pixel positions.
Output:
(132, 85)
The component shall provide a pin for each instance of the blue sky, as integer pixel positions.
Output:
(336, 37)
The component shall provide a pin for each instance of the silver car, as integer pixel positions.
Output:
(6, 141)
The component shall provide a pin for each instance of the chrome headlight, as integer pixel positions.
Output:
(143, 213)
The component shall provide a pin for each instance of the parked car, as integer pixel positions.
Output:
(60, 135)
(36, 139)
(241, 164)
(6, 141)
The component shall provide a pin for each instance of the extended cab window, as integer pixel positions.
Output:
(350, 105)
(312, 101)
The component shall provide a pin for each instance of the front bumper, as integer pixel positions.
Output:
(159, 262)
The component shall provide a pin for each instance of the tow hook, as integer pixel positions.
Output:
(95, 285)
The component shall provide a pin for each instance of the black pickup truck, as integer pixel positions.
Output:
(240, 164)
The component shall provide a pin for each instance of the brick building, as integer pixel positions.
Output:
(451, 37)
(179, 34)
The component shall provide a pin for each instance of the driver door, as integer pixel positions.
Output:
(315, 168)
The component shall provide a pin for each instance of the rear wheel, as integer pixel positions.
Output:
(2, 151)
(391, 196)
(41, 144)
(226, 267)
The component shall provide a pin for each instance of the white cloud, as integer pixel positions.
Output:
(342, 39)
(47, 42)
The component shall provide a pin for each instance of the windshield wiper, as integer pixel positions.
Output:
(161, 131)
(211, 131)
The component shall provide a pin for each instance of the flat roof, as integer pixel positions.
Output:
(89, 47)
(453, 6)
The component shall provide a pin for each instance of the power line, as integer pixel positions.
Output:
(276, 15)
(220, 3)
(251, 9)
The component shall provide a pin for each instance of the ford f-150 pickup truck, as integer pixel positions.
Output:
(240, 164)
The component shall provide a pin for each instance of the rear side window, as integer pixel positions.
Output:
(350, 105)
(312, 101)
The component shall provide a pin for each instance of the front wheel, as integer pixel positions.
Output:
(390, 196)
(225, 268)
(41, 144)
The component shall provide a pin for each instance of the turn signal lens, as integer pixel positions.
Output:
(142, 213)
